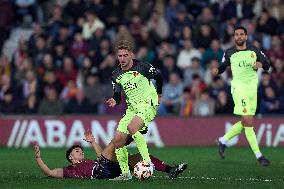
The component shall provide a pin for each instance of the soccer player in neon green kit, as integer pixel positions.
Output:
(133, 77)
(244, 61)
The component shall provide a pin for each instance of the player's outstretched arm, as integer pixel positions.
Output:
(57, 173)
(91, 139)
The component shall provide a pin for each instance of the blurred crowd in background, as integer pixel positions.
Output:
(57, 56)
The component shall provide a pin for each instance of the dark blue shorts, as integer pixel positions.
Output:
(106, 169)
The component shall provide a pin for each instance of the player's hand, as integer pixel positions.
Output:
(111, 102)
(257, 65)
(89, 137)
(37, 151)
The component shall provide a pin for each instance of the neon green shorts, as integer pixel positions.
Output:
(245, 102)
(146, 111)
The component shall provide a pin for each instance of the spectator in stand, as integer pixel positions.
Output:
(78, 104)
(123, 33)
(135, 25)
(94, 92)
(5, 68)
(24, 8)
(185, 35)
(204, 106)
(55, 21)
(218, 84)
(46, 65)
(169, 67)
(277, 75)
(204, 37)
(207, 17)
(5, 85)
(158, 25)
(20, 54)
(265, 81)
(58, 55)
(6, 20)
(146, 38)
(266, 26)
(51, 104)
(74, 9)
(30, 105)
(98, 6)
(197, 87)
(68, 72)
(69, 91)
(172, 93)
(145, 54)
(173, 7)
(37, 32)
(91, 25)
(86, 68)
(182, 20)
(163, 50)
(30, 85)
(78, 48)
(276, 9)
(270, 104)
(137, 7)
(50, 80)
(224, 103)
(94, 42)
(277, 50)
(38, 52)
(194, 69)
(214, 52)
(239, 9)
(8, 103)
(106, 68)
(185, 56)
(186, 108)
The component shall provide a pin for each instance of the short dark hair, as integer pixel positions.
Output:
(123, 44)
(241, 28)
(68, 152)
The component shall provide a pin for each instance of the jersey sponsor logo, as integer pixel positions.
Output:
(129, 85)
(244, 64)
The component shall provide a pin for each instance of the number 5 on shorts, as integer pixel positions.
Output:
(243, 102)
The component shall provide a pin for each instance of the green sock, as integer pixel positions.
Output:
(122, 158)
(250, 135)
(235, 130)
(142, 146)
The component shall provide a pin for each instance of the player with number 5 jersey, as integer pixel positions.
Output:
(244, 60)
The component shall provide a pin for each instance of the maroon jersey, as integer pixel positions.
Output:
(81, 170)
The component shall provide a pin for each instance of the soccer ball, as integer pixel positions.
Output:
(143, 170)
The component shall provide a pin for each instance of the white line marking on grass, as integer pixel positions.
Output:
(227, 179)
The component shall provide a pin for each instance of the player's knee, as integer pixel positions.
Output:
(132, 130)
(247, 121)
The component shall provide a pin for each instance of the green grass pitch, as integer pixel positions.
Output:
(239, 170)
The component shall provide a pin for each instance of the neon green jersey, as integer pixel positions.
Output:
(136, 83)
(242, 64)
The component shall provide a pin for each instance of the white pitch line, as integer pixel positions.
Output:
(227, 179)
